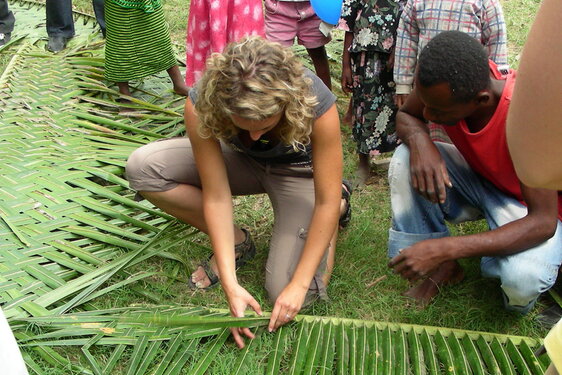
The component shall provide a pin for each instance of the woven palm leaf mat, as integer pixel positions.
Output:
(68, 221)
(72, 232)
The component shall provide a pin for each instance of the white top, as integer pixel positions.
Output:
(553, 345)
(10, 356)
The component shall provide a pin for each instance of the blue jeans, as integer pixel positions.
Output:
(524, 276)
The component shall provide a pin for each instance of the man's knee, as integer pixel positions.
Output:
(399, 168)
(522, 287)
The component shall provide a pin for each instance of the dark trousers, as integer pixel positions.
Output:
(6, 18)
(60, 21)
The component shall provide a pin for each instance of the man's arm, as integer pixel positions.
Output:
(427, 168)
(519, 235)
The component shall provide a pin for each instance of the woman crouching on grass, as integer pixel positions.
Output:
(258, 122)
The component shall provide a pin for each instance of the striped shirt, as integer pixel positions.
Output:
(423, 19)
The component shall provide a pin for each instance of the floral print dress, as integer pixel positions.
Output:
(373, 24)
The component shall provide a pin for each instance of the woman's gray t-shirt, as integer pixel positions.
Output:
(282, 153)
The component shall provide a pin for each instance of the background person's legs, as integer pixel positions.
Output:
(60, 24)
(100, 14)
(59, 18)
(319, 58)
(310, 36)
(7, 21)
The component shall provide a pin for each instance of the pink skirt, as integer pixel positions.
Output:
(212, 24)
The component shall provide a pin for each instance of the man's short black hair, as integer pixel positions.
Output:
(458, 59)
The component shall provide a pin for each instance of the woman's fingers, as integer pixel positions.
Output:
(255, 305)
(275, 315)
(237, 337)
(238, 304)
(280, 316)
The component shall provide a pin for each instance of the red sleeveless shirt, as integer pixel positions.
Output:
(486, 150)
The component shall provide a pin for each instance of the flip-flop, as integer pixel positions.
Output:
(244, 252)
(346, 191)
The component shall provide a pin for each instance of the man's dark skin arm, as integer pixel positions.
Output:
(428, 170)
(420, 259)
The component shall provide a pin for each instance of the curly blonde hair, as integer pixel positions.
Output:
(256, 79)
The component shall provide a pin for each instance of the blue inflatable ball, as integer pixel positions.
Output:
(329, 11)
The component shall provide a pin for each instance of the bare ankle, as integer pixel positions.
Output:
(239, 236)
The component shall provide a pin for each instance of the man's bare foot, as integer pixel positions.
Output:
(448, 273)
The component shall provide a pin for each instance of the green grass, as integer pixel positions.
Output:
(361, 254)
(361, 259)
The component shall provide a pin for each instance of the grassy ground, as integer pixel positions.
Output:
(362, 286)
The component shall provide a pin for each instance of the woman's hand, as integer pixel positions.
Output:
(239, 299)
(287, 305)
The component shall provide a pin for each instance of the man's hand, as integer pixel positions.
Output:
(419, 260)
(239, 299)
(428, 170)
(287, 305)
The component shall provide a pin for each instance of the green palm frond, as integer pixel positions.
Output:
(195, 337)
(68, 220)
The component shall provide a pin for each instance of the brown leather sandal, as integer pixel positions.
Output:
(244, 252)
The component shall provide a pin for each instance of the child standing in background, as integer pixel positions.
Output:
(212, 24)
(424, 19)
(367, 73)
(287, 19)
(138, 44)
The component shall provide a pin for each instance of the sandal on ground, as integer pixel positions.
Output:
(244, 252)
(346, 191)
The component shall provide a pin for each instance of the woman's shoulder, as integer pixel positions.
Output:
(324, 97)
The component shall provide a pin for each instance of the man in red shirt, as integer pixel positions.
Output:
(474, 178)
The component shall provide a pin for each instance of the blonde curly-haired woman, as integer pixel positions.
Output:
(258, 122)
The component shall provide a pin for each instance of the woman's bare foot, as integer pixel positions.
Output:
(448, 273)
(200, 279)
